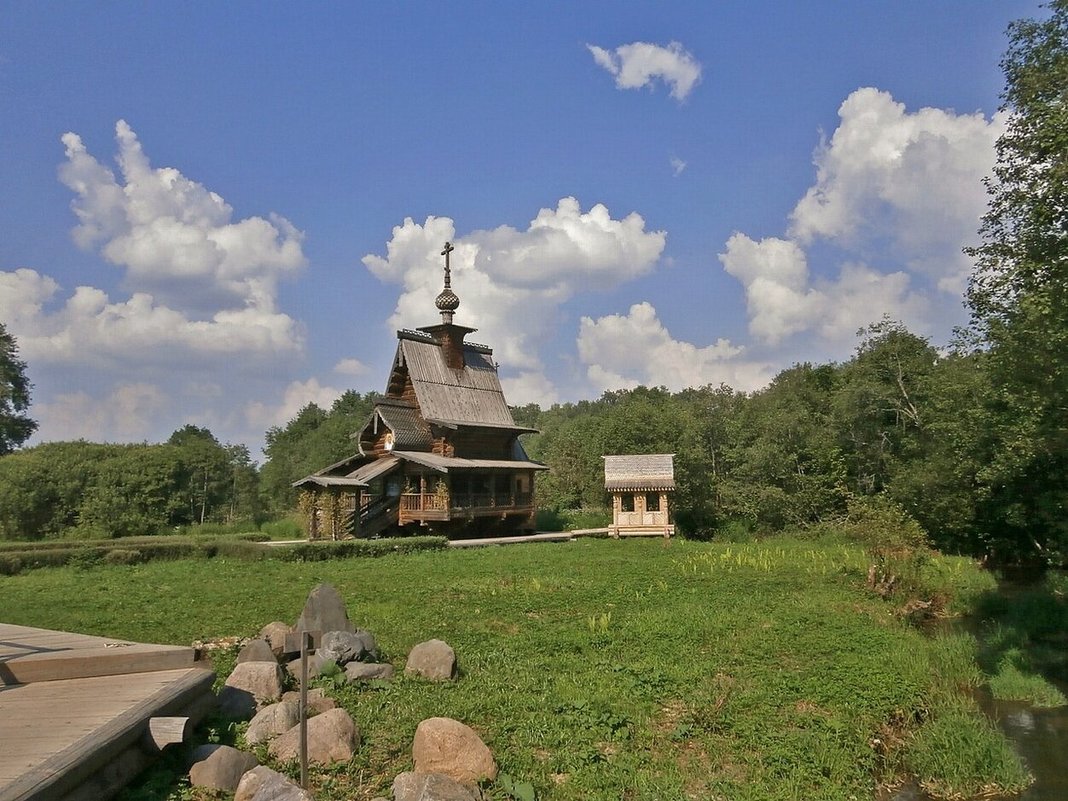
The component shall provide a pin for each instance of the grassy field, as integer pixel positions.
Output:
(601, 669)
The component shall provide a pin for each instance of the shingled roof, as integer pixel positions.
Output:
(647, 472)
(471, 395)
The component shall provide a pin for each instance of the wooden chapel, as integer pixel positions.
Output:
(439, 453)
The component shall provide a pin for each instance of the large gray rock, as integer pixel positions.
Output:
(264, 784)
(367, 671)
(444, 745)
(318, 701)
(348, 646)
(236, 704)
(257, 650)
(273, 720)
(275, 633)
(263, 680)
(323, 611)
(433, 659)
(431, 787)
(219, 767)
(332, 737)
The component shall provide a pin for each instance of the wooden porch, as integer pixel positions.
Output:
(420, 506)
(80, 716)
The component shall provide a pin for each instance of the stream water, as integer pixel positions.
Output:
(1039, 736)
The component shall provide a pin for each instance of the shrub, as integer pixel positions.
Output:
(85, 557)
(285, 529)
(10, 564)
(123, 556)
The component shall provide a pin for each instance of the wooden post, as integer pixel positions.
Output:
(305, 644)
(164, 731)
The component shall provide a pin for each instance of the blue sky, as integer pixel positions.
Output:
(215, 213)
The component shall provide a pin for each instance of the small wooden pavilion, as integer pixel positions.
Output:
(641, 487)
(440, 450)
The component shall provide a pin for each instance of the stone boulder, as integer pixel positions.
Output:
(257, 650)
(332, 737)
(314, 663)
(236, 704)
(348, 646)
(262, 680)
(318, 701)
(431, 787)
(219, 767)
(444, 745)
(323, 611)
(368, 671)
(433, 659)
(275, 634)
(264, 784)
(273, 720)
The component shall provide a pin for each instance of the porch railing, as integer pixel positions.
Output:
(432, 502)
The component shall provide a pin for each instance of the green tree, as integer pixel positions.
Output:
(1018, 295)
(207, 475)
(785, 466)
(15, 426)
(310, 441)
(880, 404)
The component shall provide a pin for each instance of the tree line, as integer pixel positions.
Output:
(970, 440)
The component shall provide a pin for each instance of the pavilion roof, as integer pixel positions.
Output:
(640, 472)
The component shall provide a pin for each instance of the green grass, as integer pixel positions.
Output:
(597, 669)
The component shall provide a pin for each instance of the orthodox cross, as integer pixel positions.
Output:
(448, 249)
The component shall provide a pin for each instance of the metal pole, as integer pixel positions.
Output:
(305, 644)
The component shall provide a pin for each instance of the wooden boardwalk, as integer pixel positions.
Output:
(75, 710)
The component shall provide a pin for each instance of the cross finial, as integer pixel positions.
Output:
(447, 302)
(448, 249)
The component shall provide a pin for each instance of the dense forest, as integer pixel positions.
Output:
(969, 438)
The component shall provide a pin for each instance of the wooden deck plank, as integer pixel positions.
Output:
(57, 734)
(31, 655)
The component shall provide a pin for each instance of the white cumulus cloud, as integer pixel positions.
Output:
(128, 412)
(530, 387)
(173, 236)
(640, 64)
(625, 351)
(911, 178)
(294, 398)
(511, 282)
(350, 367)
(896, 197)
(91, 329)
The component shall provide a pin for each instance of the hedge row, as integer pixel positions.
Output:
(130, 542)
(123, 552)
(321, 551)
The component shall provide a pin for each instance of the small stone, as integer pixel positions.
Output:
(275, 633)
(348, 646)
(332, 737)
(318, 701)
(256, 651)
(273, 720)
(444, 745)
(433, 659)
(219, 767)
(264, 784)
(430, 787)
(367, 671)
